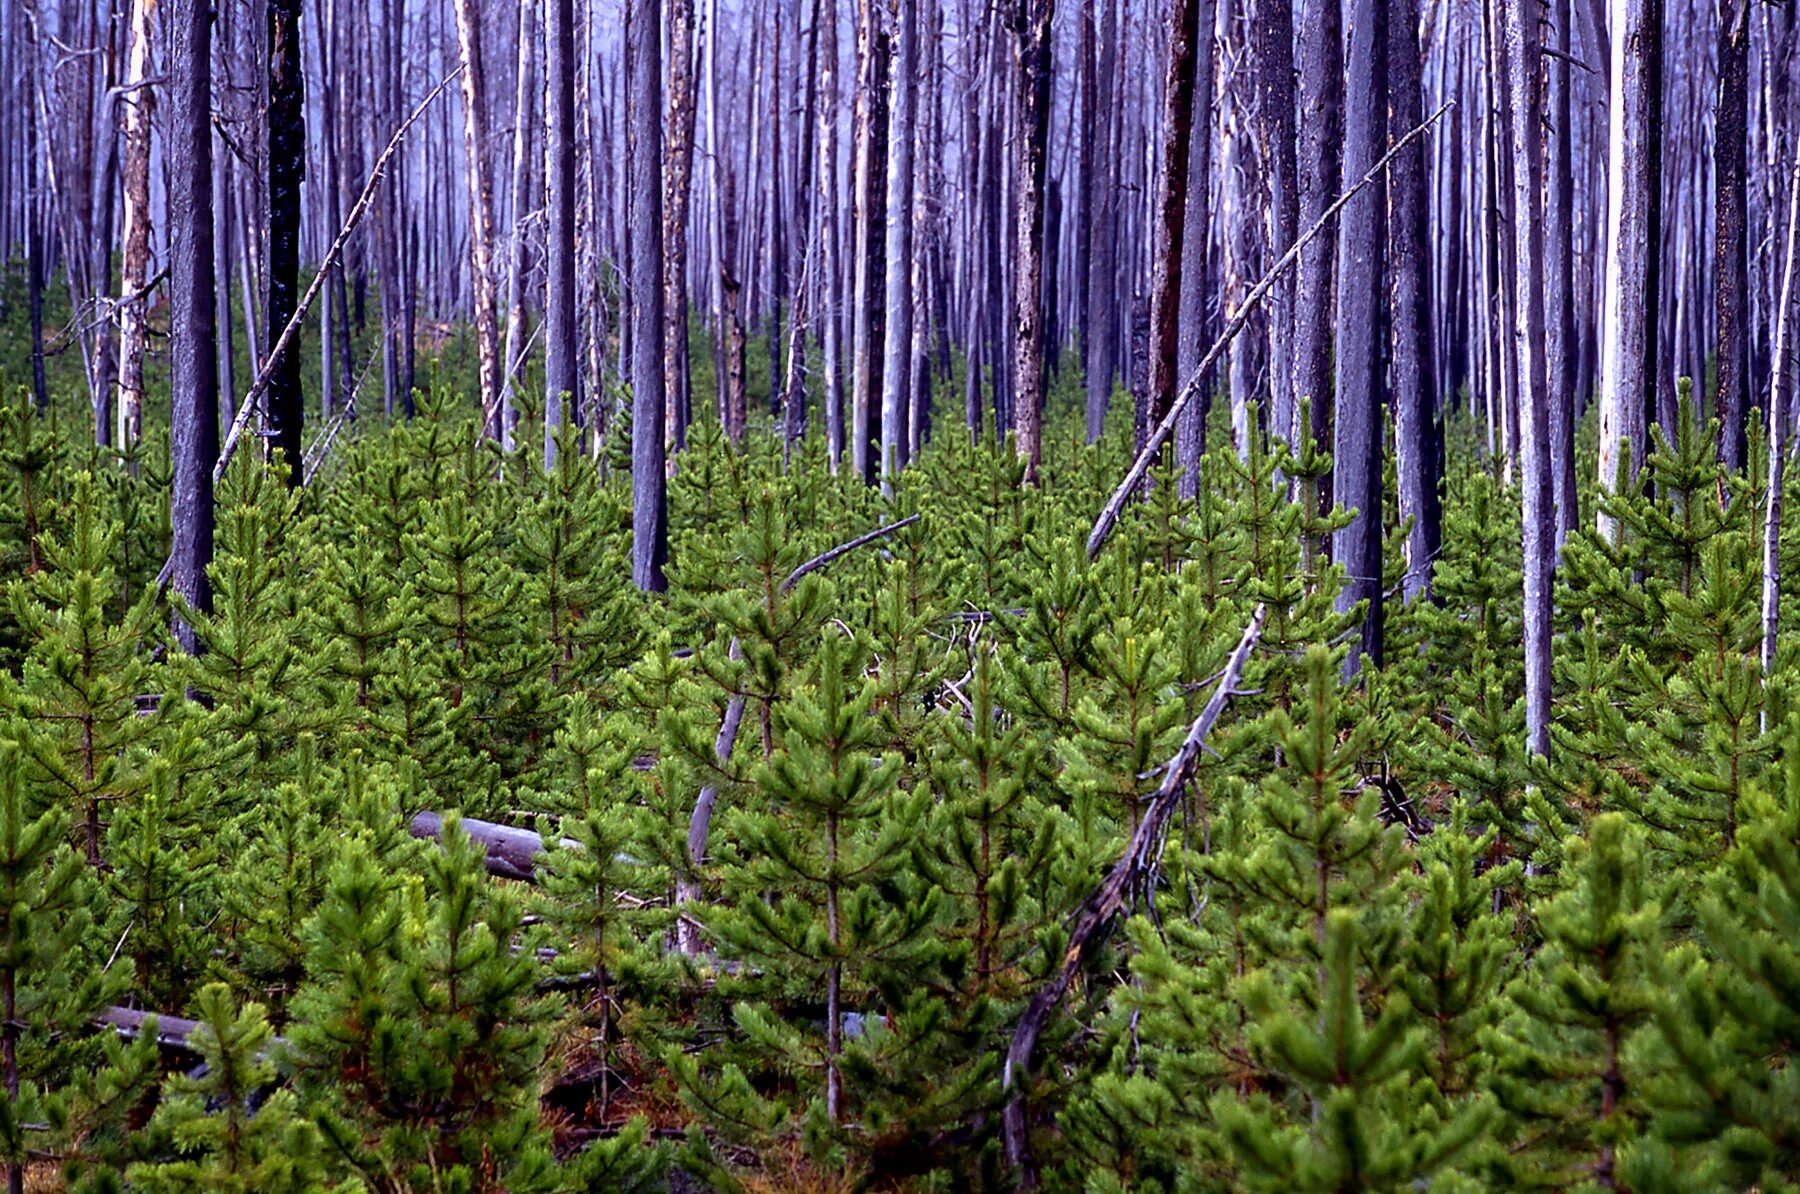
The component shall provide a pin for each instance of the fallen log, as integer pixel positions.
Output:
(1131, 872)
(171, 1032)
(511, 853)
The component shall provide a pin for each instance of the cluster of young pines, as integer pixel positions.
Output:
(949, 860)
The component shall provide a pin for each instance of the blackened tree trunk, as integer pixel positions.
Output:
(194, 409)
(1731, 300)
(649, 511)
(1031, 34)
(1539, 538)
(680, 176)
(1100, 330)
(1417, 455)
(870, 186)
(1195, 330)
(1561, 348)
(562, 368)
(1171, 207)
(286, 145)
(34, 226)
(1319, 166)
(1275, 111)
(1357, 427)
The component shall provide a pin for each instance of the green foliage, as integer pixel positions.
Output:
(1378, 945)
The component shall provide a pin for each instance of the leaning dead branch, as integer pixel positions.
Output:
(1128, 875)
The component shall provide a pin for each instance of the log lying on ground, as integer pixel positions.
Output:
(1131, 872)
(172, 1032)
(511, 853)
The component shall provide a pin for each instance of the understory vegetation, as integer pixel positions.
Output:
(1380, 946)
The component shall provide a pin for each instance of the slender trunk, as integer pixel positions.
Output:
(194, 409)
(481, 210)
(287, 172)
(1031, 31)
(1560, 348)
(872, 45)
(680, 157)
(1627, 373)
(1171, 205)
(1730, 245)
(34, 222)
(1416, 459)
(1357, 428)
(1100, 329)
(826, 229)
(896, 368)
(1275, 111)
(562, 333)
(140, 106)
(512, 363)
(649, 511)
(1195, 307)
(1539, 532)
(1320, 143)
(1778, 446)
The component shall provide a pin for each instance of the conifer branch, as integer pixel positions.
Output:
(1109, 899)
(700, 823)
(1109, 515)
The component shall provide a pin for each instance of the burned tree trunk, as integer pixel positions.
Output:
(1357, 427)
(562, 372)
(1031, 33)
(194, 400)
(1633, 241)
(286, 147)
(1417, 462)
(1320, 131)
(896, 368)
(680, 158)
(1731, 299)
(140, 103)
(1539, 535)
(481, 210)
(1171, 206)
(649, 510)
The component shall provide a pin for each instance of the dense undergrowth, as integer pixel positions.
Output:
(1384, 948)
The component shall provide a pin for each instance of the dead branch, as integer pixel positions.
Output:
(1098, 911)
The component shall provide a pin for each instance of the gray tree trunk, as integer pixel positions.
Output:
(1629, 317)
(649, 510)
(896, 368)
(1275, 110)
(1416, 459)
(1539, 531)
(1358, 431)
(1195, 315)
(1560, 346)
(562, 371)
(1320, 145)
(194, 400)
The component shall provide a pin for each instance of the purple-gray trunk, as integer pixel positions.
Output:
(193, 379)
(649, 511)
